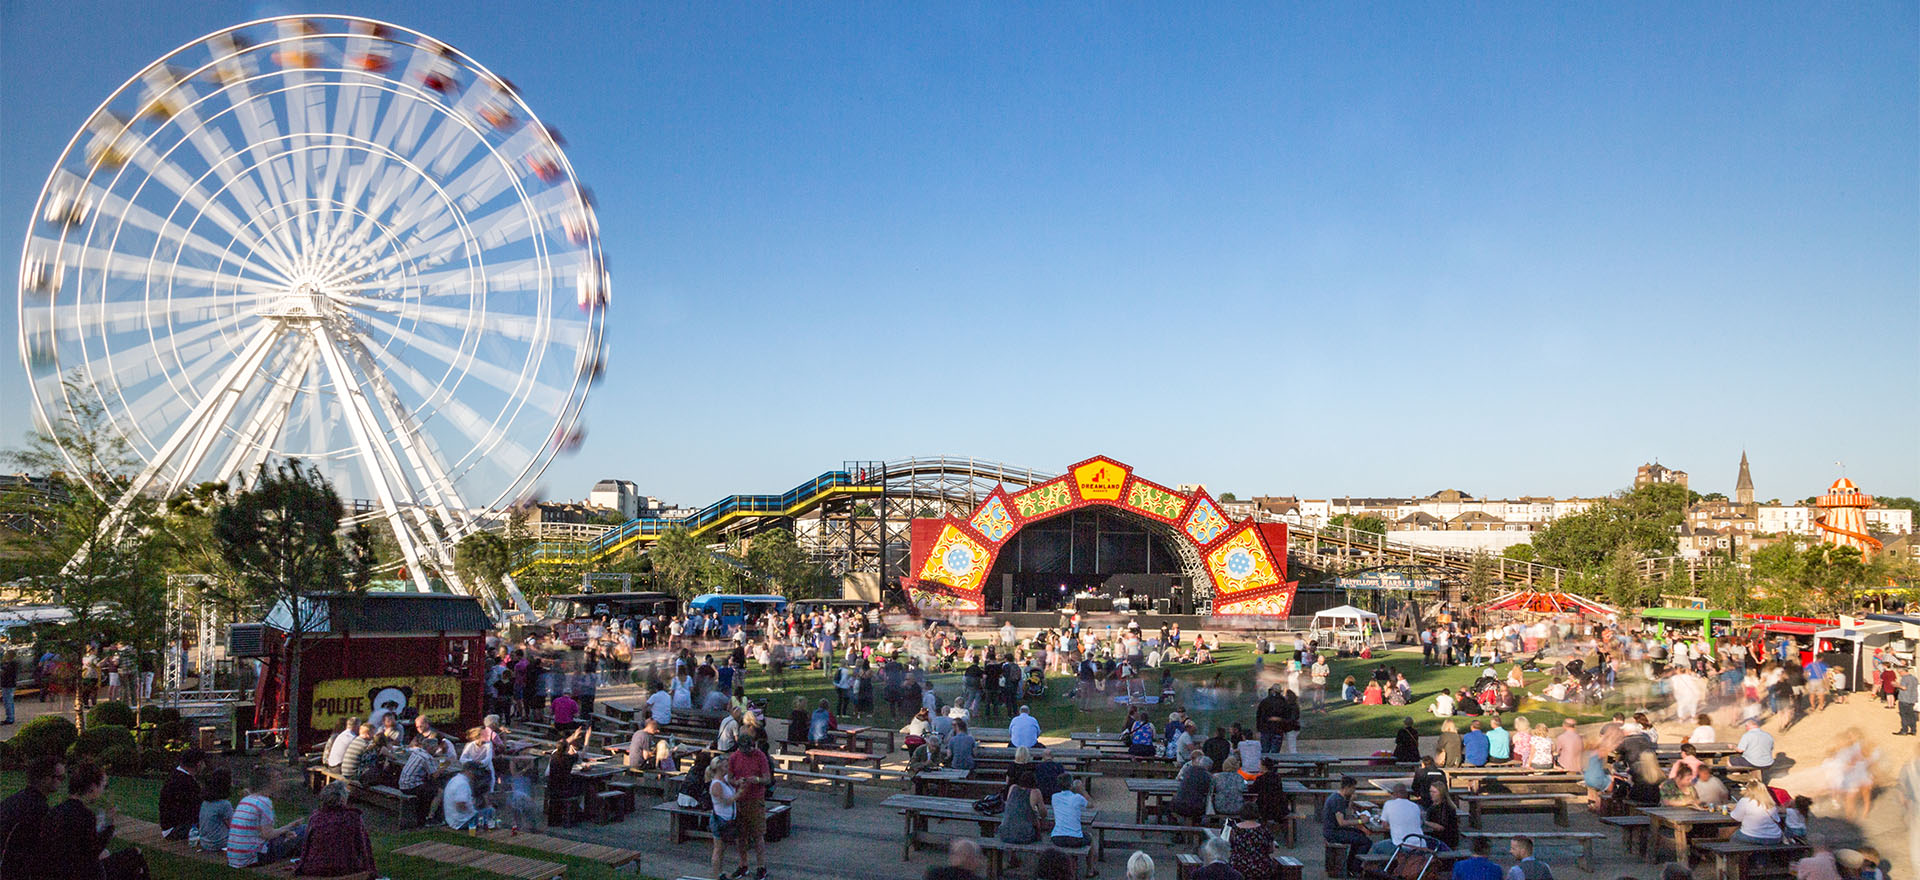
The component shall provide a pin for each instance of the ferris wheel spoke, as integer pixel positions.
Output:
(477, 428)
(192, 193)
(524, 275)
(264, 144)
(505, 380)
(156, 272)
(539, 330)
(105, 203)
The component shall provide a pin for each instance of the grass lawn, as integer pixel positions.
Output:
(140, 799)
(1234, 664)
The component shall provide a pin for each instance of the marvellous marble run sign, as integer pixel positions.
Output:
(1241, 565)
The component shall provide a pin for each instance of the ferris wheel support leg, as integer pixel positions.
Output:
(255, 440)
(360, 422)
(195, 425)
(443, 498)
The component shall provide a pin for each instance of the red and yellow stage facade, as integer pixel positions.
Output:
(1241, 565)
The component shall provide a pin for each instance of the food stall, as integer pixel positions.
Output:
(1849, 645)
(364, 655)
(1709, 625)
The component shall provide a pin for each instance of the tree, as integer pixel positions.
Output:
(102, 562)
(1643, 520)
(1359, 522)
(1228, 497)
(1520, 552)
(1726, 586)
(1900, 502)
(775, 555)
(1480, 578)
(482, 558)
(1626, 587)
(281, 537)
(681, 563)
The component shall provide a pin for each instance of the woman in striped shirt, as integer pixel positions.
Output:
(251, 837)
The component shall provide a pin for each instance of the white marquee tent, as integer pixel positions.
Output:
(1346, 623)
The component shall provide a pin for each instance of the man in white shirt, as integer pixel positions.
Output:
(1402, 816)
(1756, 748)
(1442, 705)
(660, 707)
(729, 731)
(1024, 730)
(337, 747)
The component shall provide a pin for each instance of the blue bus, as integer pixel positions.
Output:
(735, 609)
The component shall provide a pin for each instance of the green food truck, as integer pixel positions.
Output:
(1706, 624)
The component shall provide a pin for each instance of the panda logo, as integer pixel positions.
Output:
(387, 701)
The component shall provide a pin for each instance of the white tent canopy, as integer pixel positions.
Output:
(1347, 622)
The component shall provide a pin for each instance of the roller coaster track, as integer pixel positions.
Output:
(961, 482)
(933, 478)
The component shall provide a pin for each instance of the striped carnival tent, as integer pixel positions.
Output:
(1539, 602)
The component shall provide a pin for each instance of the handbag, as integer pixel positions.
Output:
(991, 805)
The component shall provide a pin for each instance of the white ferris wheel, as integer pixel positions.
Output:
(329, 238)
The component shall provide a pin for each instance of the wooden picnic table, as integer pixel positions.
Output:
(856, 733)
(1682, 823)
(1091, 738)
(949, 782)
(816, 757)
(991, 734)
(1158, 790)
(1479, 805)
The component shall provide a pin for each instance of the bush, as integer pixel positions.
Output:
(109, 745)
(8, 760)
(163, 757)
(45, 735)
(111, 712)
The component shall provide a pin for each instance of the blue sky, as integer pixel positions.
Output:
(1301, 248)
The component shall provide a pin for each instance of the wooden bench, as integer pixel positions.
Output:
(1635, 832)
(1192, 835)
(611, 856)
(996, 850)
(832, 781)
(818, 757)
(519, 867)
(1740, 861)
(686, 822)
(1584, 838)
(147, 835)
(1479, 805)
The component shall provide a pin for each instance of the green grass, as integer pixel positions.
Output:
(1059, 715)
(140, 799)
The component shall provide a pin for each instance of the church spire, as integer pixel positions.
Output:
(1743, 487)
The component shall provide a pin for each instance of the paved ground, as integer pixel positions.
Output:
(863, 843)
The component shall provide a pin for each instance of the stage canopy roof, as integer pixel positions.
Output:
(1538, 602)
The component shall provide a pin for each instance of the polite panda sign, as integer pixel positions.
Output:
(335, 700)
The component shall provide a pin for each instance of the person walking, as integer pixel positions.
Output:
(752, 773)
(9, 681)
(1909, 695)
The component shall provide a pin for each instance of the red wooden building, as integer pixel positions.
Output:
(366, 654)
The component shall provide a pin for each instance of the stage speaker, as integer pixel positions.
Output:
(1033, 604)
(1182, 595)
(1006, 592)
(1164, 606)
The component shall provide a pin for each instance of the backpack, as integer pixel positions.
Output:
(1141, 734)
(991, 805)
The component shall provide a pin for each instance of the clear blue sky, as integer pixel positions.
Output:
(1290, 248)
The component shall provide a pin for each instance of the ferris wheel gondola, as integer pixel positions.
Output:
(322, 237)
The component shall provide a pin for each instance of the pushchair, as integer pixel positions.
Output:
(1414, 858)
(1034, 686)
